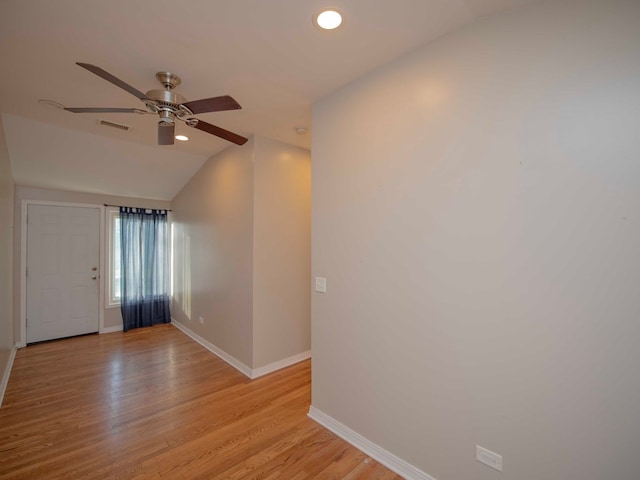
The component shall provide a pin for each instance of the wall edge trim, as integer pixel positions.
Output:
(117, 328)
(7, 372)
(234, 362)
(280, 364)
(373, 450)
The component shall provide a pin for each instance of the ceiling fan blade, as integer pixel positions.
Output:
(217, 131)
(166, 132)
(104, 110)
(110, 78)
(213, 104)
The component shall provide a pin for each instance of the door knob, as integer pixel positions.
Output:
(94, 268)
(93, 277)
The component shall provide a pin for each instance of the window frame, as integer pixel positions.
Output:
(112, 215)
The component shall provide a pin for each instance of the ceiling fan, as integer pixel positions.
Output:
(169, 106)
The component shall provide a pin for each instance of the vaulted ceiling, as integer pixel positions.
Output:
(265, 53)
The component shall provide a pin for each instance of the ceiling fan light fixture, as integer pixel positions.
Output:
(328, 19)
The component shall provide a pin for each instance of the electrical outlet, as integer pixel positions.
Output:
(201, 320)
(321, 284)
(489, 458)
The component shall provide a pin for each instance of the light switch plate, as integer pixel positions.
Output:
(321, 284)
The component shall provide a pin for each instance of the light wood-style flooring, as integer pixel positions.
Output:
(151, 403)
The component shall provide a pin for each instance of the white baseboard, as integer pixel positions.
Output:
(285, 362)
(117, 328)
(234, 362)
(389, 460)
(237, 364)
(7, 373)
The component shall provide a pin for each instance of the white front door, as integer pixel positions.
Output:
(63, 259)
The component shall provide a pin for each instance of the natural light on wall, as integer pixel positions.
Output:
(181, 277)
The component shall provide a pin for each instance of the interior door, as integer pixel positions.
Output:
(63, 258)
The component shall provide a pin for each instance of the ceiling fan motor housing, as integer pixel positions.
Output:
(166, 101)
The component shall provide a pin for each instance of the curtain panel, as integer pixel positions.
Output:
(144, 248)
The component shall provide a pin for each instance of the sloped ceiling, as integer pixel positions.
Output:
(266, 54)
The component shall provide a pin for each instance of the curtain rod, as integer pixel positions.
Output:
(118, 206)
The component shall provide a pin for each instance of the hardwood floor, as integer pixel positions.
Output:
(152, 403)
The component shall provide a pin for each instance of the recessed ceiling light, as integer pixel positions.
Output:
(182, 138)
(301, 130)
(328, 19)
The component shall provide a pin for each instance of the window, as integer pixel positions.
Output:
(113, 267)
(144, 250)
(114, 257)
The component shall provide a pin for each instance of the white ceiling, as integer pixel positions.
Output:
(264, 53)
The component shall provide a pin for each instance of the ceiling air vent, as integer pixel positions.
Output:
(119, 126)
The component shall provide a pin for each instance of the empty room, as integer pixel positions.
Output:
(284, 239)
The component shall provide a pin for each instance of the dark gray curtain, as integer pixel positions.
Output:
(144, 267)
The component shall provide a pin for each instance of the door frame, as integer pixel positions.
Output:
(22, 338)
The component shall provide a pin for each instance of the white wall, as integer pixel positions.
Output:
(242, 252)
(281, 251)
(476, 210)
(6, 256)
(213, 252)
(111, 316)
